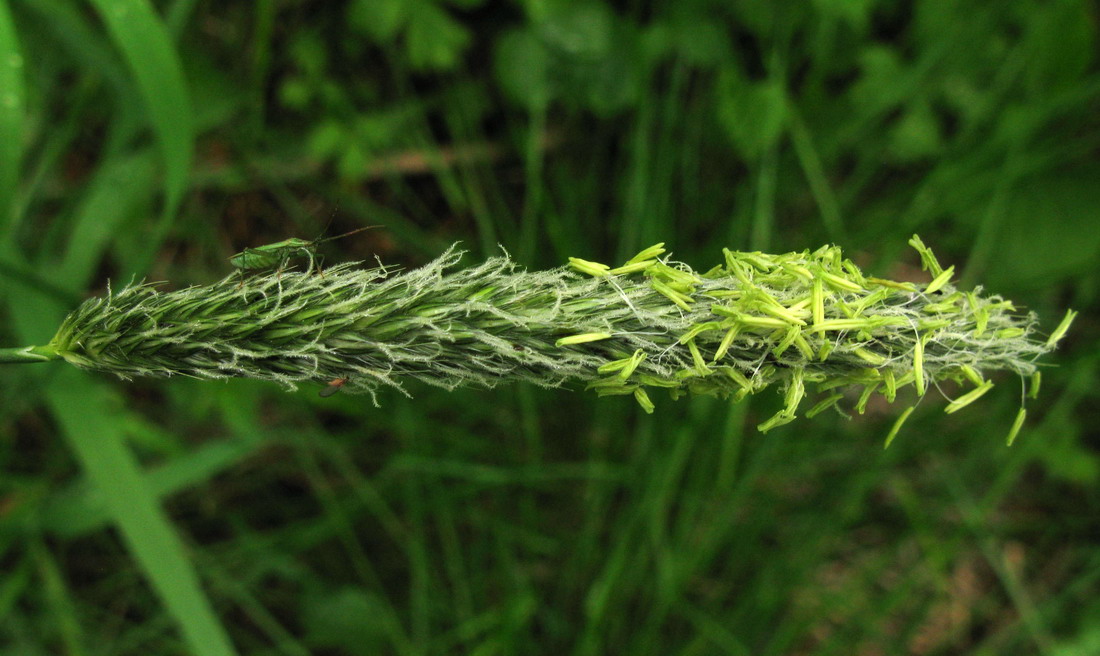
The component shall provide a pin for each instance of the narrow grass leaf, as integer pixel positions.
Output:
(141, 35)
(80, 36)
(121, 187)
(12, 100)
(78, 509)
(810, 160)
(59, 599)
(82, 411)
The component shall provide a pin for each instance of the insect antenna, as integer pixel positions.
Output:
(321, 241)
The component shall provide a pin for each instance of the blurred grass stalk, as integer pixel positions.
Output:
(754, 321)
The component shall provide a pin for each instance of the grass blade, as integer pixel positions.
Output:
(12, 96)
(120, 189)
(82, 410)
(145, 44)
(77, 510)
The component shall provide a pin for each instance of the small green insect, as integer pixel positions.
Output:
(276, 256)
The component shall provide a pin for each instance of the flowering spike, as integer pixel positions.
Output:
(758, 320)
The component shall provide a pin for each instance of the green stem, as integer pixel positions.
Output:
(28, 354)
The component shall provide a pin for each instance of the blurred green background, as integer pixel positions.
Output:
(152, 140)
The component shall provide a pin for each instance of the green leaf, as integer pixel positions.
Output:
(295, 93)
(307, 50)
(753, 114)
(615, 84)
(352, 162)
(327, 138)
(854, 12)
(1060, 44)
(351, 619)
(147, 48)
(81, 37)
(81, 409)
(466, 4)
(11, 113)
(701, 42)
(1030, 252)
(383, 129)
(582, 29)
(883, 83)
(1065, 456)
(917, 135)
(435, 40)
(80, 508)
(380, 19)
(522, 67)
(120, 189)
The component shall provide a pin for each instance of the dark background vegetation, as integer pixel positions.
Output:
(155, 139)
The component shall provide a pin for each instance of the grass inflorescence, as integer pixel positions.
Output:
(754, 321)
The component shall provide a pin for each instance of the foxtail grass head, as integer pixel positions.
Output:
(800, 322)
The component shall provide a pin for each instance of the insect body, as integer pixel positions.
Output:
(272, 256)
(332, 387)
